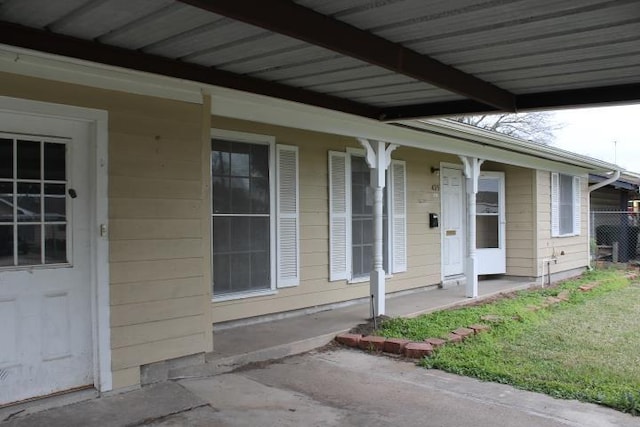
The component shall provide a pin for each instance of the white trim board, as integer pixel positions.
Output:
(98, 120)
(246, 106)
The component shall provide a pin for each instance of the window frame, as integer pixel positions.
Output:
(556, 205)
(248, 138)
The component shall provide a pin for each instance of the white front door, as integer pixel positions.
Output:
(490, 224)
(45, 257)
(452, 223)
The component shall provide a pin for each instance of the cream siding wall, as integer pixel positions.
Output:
(423, 244)
(571, 252)
(159, 297)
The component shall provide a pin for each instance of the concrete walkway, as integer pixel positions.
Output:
(237, 346)
(234, 347)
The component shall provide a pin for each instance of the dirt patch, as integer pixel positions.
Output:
(368, 327)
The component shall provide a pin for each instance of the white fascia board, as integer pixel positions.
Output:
(246, 106)
(463, 130)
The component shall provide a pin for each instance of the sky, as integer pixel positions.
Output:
(592, 131)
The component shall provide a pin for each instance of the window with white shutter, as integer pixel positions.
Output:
(288, 217)
(351, 218)
(565, 205)
(255, 214)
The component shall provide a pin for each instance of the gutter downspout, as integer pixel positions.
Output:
(613, 178)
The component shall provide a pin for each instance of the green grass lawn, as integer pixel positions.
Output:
(587, 348)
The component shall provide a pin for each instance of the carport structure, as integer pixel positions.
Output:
(138, 84)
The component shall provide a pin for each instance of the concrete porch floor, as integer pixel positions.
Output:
(237, 346)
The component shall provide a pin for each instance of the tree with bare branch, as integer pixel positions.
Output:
(536, 127)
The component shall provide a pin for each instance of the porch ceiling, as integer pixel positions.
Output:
(387, 60)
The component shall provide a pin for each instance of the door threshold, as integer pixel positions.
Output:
(41, 403)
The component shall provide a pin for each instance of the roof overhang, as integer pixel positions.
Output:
(381, 60)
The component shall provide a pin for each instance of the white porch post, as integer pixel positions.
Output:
(378, 159)
(471, 172)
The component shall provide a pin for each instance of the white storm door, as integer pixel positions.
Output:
(490, 224)
(45, 257)
(452, 223)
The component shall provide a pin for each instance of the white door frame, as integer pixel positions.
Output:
(501, 250)
(458, 166)
(98, 122)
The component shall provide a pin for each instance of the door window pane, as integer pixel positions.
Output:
(28, 160)
(487, 199)
(28, 202)
(241, 217)
(487, 231)
(54, 161)
(55, 202)
(29, 250)
(55, 241)
(6, 245)
(6, 202)
(6, 158)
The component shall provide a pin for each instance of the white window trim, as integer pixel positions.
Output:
(252, 138)
(576, 194)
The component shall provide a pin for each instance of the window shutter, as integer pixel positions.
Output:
(555, 204)
(288, 217)
(576, 205)
(399, 216)
(338, 209)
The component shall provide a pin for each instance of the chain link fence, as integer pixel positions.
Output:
(614, 236)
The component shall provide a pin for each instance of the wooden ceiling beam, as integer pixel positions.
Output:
(290, 19)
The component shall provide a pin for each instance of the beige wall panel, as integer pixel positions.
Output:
(160, 149)
(145, 188)
(315, 218)
(152, 168)
(124, 378)
(136, 208)
(316, 259)
(140, 271)
(315, 246)
(147, 250)
(141, 229)
(312, 232)
(314, 272)
(311, 189)
(158, 126)
(521, 271)
(156, 351)
(313, 205)
(526, 253)
(133, 314)
(156, 290)
(125, 336)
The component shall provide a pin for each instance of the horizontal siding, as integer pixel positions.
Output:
(570, 252)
